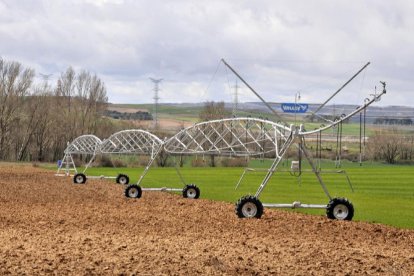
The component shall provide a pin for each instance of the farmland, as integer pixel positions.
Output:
(382, 193)
(51, 226)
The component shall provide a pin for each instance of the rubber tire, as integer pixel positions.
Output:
(332, 210)
(133, 186)
(188, 189)
(79, 178)
(122, 176)
(241, 207)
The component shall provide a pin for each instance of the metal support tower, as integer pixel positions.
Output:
(156, 98)
(45, 78)
(236, 98)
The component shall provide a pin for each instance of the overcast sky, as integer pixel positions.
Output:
(280, 47)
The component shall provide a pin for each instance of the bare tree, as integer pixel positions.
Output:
(80, 100)
(38, 125)
(92, 100)
(34, 111)
(65, 125)
(213, 111)
(15, 82)
(385, 146)
(44, 120)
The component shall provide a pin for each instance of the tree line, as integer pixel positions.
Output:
(393, 121)
(37, 120)
(392, 146)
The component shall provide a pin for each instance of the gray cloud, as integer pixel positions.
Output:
(280, 47)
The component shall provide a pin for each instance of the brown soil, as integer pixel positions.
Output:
(48, 225)
(126, 109)
(164, 124)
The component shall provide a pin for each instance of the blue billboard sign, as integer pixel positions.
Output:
(294, 107)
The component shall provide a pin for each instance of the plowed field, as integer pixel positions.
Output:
(48, 225)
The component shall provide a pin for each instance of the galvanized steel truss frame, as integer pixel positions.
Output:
(230, 137)
(85, 144)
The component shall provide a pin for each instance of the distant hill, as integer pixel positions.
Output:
(372, 112)
(190, 111)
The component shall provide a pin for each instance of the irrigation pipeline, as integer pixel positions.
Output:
(319, 148)
(338, 146)
(362, 134)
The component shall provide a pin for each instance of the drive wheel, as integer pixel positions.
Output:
(122, 179)
(340, 209)
(133, 191)
(79, 178)
(249, 207)
(191, 191)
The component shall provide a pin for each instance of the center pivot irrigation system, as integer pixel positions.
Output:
(144, 143)
(121, 143)
(226, 137)
(338, 208)
(86, 145)
(125, 142)
(257, 137)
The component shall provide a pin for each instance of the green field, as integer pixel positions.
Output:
(382, 193)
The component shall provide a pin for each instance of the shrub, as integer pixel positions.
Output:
(78, 162)
(105, 161)
(143, 160)
(234, 162)
(118, 163)
(198, 163)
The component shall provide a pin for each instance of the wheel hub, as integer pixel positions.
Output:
(191, 193)
(340, 211)
(249, 210)
(133, 192)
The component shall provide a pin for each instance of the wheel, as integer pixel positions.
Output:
(122, 179)
(340, 208)
(191, 191)
(79, 178)
(249, 207)
(133, 191)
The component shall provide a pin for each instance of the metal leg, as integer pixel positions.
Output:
(241, 178)
(61, 164)
(148, 166)
(67, 161)
(314, 169)
(73, 164)
(89, 163)
(274, 165)
(349, 181)
(180, 175)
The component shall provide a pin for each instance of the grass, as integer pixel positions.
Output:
(382, 193)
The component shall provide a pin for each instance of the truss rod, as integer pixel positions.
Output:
(359, 109)
(342, 87)
(254, 91)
